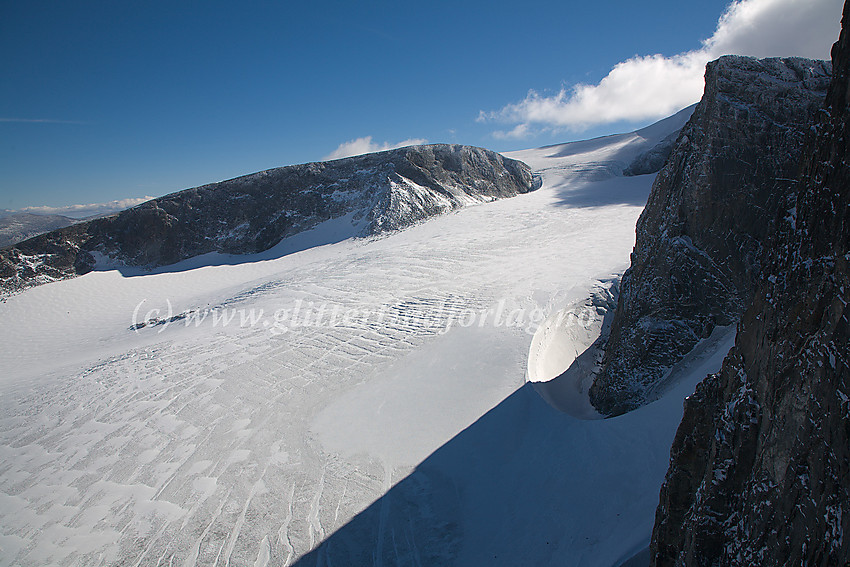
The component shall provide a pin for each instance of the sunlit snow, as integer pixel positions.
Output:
(363, 399)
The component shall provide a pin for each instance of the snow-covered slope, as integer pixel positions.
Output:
(365, 399)
(605, 157)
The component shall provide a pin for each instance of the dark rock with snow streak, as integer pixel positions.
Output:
(701, 239)
(760, 466)
(375, 192)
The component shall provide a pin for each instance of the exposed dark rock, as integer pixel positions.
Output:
(760, 467)
(382, 192)
(701, 239)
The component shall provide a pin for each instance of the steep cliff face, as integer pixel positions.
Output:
(701, 239)
(760, 467)
(379, 192)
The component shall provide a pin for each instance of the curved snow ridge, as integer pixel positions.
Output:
(566, 351)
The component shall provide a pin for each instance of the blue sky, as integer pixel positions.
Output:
(111, 100)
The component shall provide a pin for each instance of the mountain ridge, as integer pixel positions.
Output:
(381, 192)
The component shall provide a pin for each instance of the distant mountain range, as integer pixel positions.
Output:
(16, 227)
(19, 225)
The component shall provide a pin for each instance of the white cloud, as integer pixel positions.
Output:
(655, 86)
(517, 132)
(82, 211)
(366, 145)
(777, 28)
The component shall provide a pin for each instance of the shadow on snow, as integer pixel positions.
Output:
(523, 485)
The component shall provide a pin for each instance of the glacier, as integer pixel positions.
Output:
(366, 403)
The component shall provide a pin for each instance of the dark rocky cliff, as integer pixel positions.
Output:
(701, 239)
(760, 467)
(382, 191)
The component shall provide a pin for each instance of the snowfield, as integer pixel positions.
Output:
(365, 403)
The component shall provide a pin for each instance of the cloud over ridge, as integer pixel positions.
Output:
(365, 145)
(654, 86)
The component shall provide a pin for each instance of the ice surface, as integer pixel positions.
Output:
(394, 362)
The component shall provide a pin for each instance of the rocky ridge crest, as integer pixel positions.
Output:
(373, 193)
